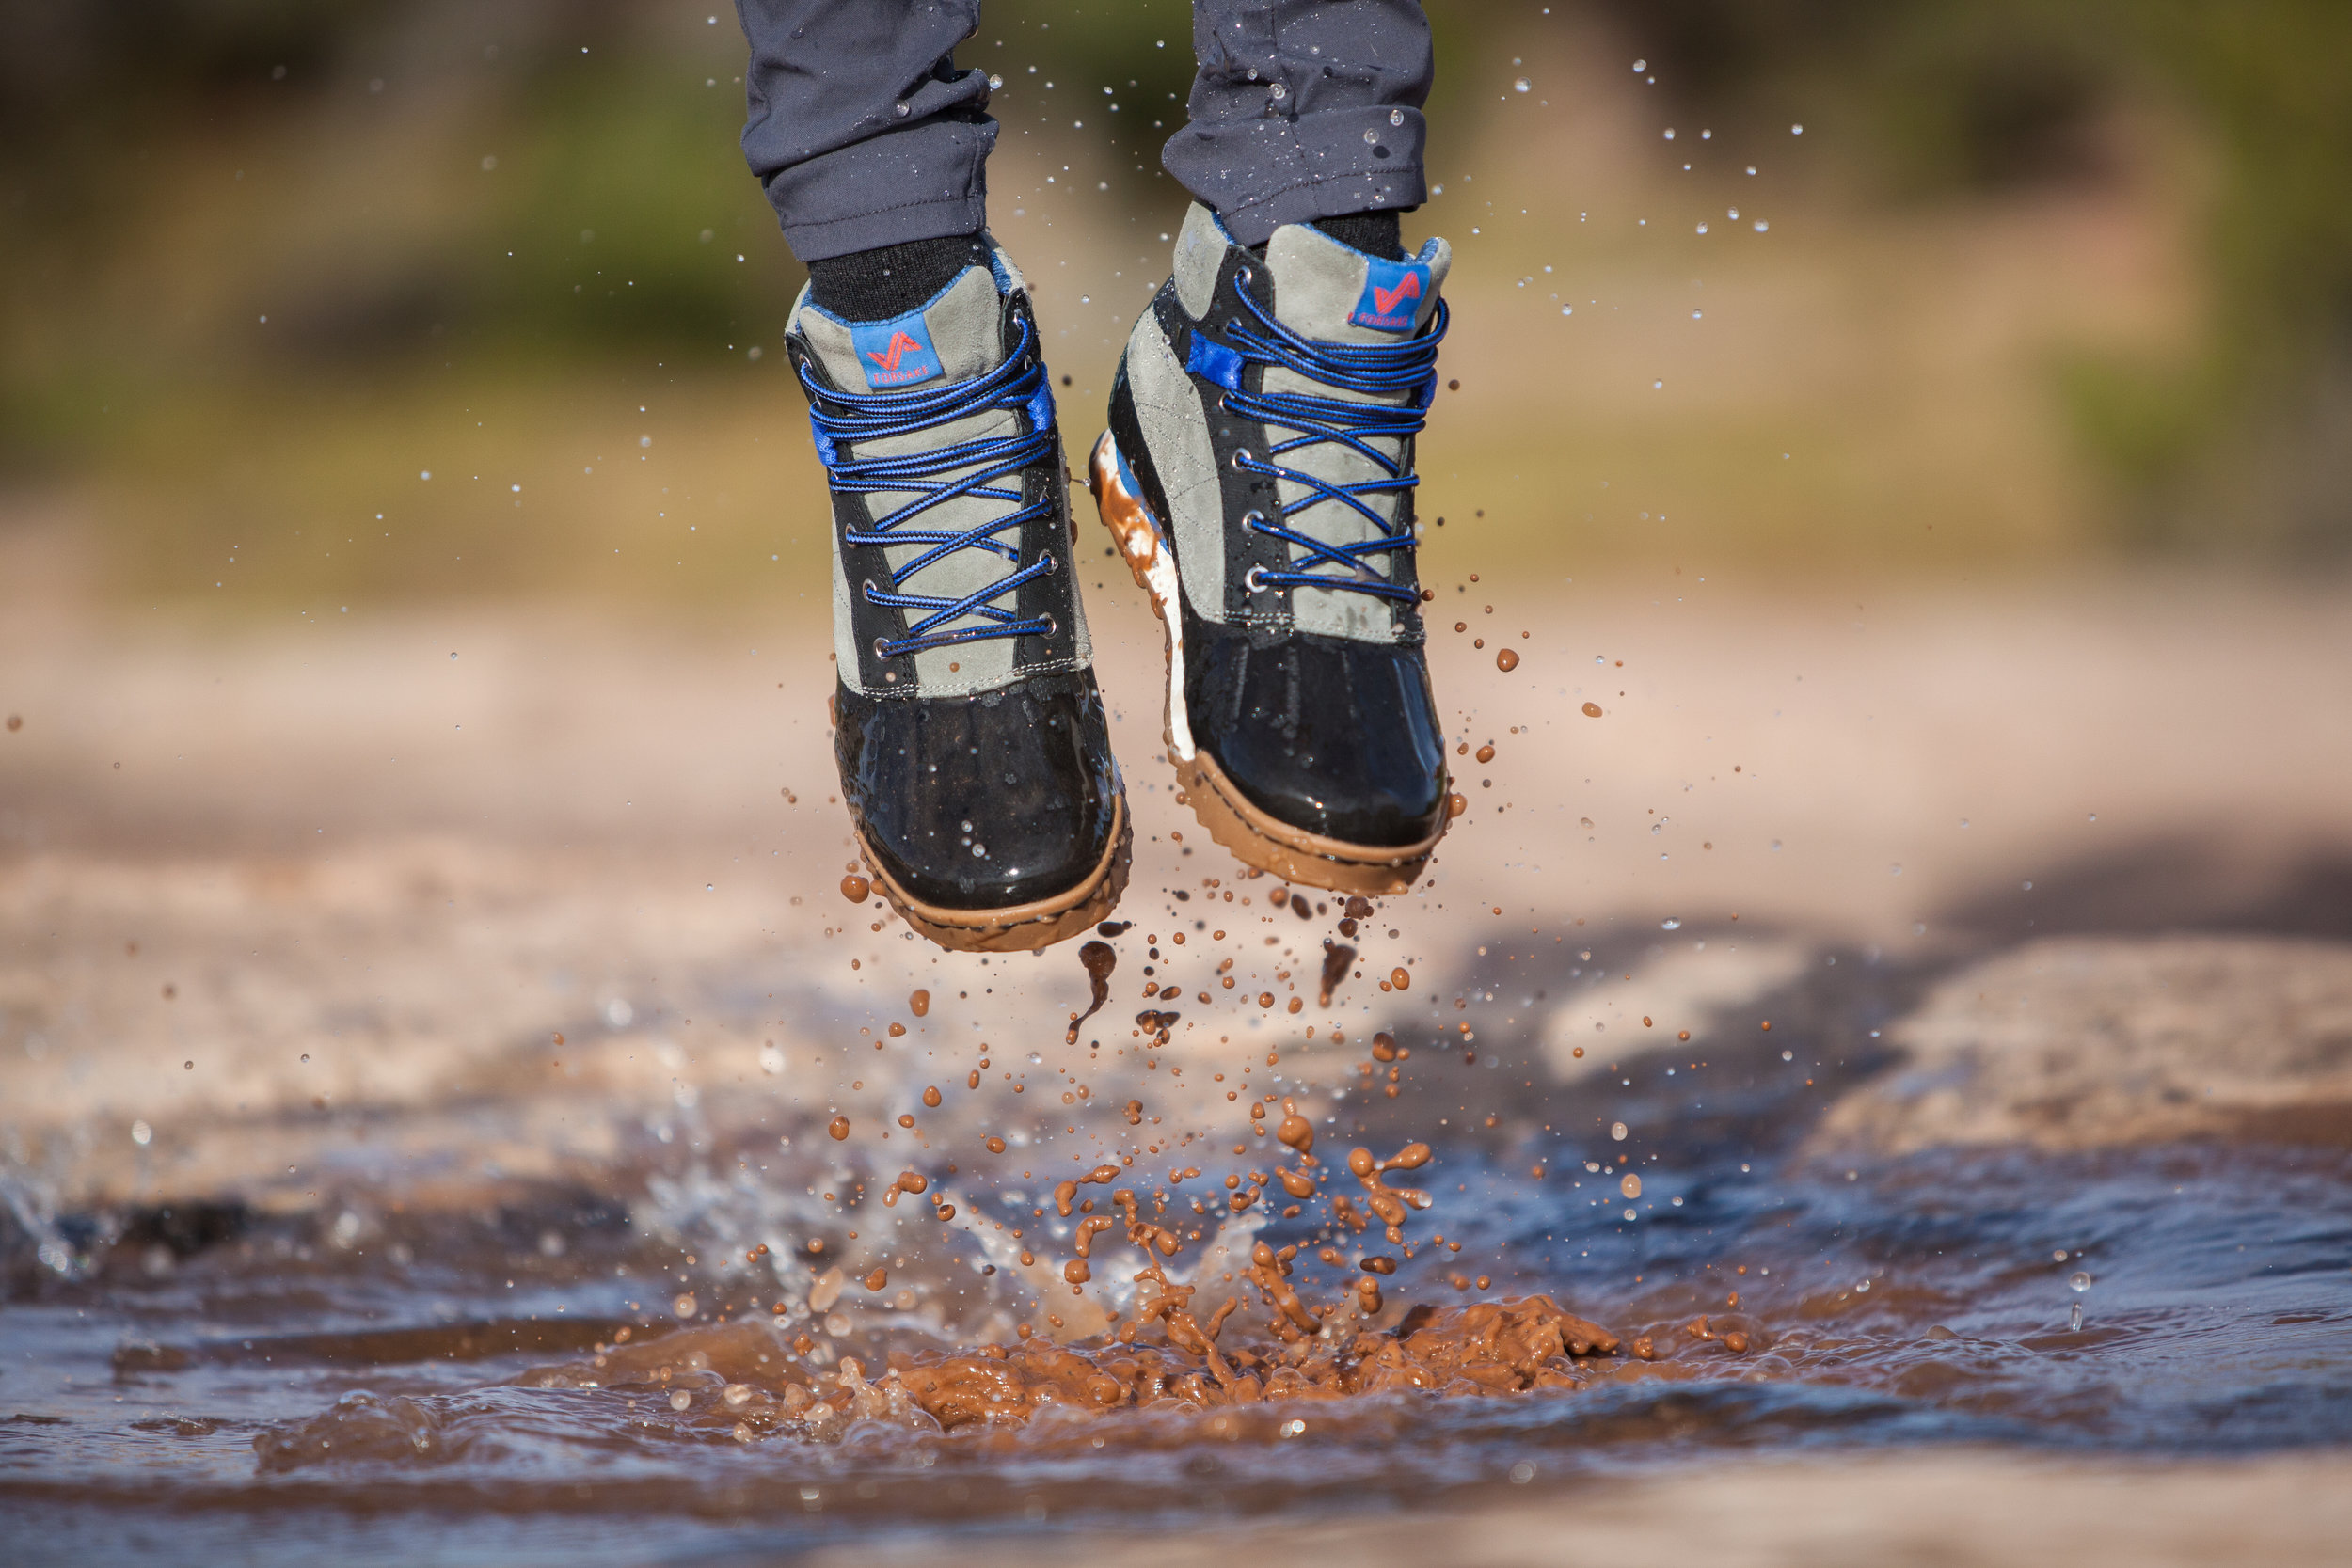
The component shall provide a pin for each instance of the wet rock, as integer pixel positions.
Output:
(2088, 1042)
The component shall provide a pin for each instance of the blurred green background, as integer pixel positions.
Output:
(2035, 283)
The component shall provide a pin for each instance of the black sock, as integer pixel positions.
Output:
(876, 285)
(1379, 234)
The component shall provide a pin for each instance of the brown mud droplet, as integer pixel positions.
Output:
(839, 1128)
(1592, 710)
(994, 1146)
(1335, 967)
(1099, 959)
(876, 1280)
(1630, 1185)
(855, 888)
(1077, 1271)
(1455, 804)
(1485, 753)
(1297, 1131)
(919, 1003)
(1507, 660)
(931, 1096)
(1401, 978)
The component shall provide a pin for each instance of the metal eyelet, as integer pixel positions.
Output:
(1051, 564)
(1245, 275)
(1052, 628)
(1241, 456)
(867, 588)
(881, 649)
(1252, 517)
(1220, 403)
(1253, 581)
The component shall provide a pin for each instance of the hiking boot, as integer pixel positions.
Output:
(1258, 476)
(974, 754)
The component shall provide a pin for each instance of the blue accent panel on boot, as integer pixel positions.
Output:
(1042, 407)
(827, 453)
(1213, 361)
(1392, 295)
(896, 353)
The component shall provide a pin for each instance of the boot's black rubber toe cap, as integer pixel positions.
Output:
(982, 802)
(1331, 735)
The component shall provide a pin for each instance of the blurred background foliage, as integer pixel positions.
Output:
(257, 255)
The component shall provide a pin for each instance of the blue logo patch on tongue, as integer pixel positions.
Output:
(896, 353)
(1392, 295)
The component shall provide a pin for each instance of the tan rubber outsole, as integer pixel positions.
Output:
(1017, 927)
(1255, 837)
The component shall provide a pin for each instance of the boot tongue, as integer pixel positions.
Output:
(1336, 293)
(958, 335)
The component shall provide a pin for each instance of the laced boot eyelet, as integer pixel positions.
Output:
(1253, 519)
(1241, 457)
(1254, 579)
(1052, 628)
(1051, 564)
(867, 588)
(881, 647)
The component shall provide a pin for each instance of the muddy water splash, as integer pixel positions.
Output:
(726, 1318)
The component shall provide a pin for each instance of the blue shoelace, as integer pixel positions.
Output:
(1368, 369)
(842, 418)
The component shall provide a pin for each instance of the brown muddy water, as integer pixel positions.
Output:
(469, 1195)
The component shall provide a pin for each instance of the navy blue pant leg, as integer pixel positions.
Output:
(1304, 109)
(861, 131)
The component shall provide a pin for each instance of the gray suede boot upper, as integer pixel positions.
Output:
(945, 553)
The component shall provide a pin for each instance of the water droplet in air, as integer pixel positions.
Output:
(1520, 86)
(1616, 1131)
(2078, 1281)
